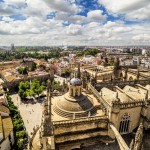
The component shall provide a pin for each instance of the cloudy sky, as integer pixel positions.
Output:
(75, 22)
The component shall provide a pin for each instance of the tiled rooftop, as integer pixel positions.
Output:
(10, 73)
(7, 126)
(4, 109)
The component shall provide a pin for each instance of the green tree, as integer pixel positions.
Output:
(56, 85)
(21, 134)
(23, 87)
(20, 70)
(29, 92)
(37, 88)
(19, 129)
(22, 93)
(91, 52)
(20, 144)
(23, 70)
(33, 67)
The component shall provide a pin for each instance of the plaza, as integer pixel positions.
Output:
(30, 113)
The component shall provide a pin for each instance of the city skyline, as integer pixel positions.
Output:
(74, 22)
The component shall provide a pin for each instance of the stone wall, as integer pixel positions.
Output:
(80, 136)
(80, 129)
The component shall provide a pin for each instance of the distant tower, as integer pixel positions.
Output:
(12, 47)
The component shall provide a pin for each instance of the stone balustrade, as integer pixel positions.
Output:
(81, 120)
(138, 103)
(98, 96)
(121, 84)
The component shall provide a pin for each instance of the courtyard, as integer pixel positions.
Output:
(31, 113)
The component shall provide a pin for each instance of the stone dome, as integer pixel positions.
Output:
(69, 106)
(75, 81)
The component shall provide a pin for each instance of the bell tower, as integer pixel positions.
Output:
(47, 133)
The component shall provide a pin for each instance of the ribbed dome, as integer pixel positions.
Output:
(71, 104)
(75, 81)
(68, 106)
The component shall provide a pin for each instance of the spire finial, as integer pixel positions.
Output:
(78, 74)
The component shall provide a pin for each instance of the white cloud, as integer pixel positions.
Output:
(7, 19)
(142, 13)
(124, 6)
(93, 24)
(141, 37)
(36, 8)
(122, 29)
(96, 15)
(32, 25)
(36, 31)
(74, 29)
(110, 24)
(130, 8)
(77, 19)
(6, 10)
(17, 3)
(63, 6)
(93, 29)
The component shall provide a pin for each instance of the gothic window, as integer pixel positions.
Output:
(124, 124)
(121, 75)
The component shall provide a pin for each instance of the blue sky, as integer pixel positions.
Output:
(74, 22)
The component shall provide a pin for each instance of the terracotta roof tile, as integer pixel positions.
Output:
(7, 126)
(4, 109)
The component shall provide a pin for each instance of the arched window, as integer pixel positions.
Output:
(121, 75)
(124, 124)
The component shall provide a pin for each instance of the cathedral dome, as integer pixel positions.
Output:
(68, 106)
(74, 104)
(77, 104)
(75, 81)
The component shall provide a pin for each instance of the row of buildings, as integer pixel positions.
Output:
(142, 51)
(6, 126)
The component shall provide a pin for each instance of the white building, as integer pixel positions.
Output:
(145, 51)
(88, 59)
(145, 62)
(136, 50)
